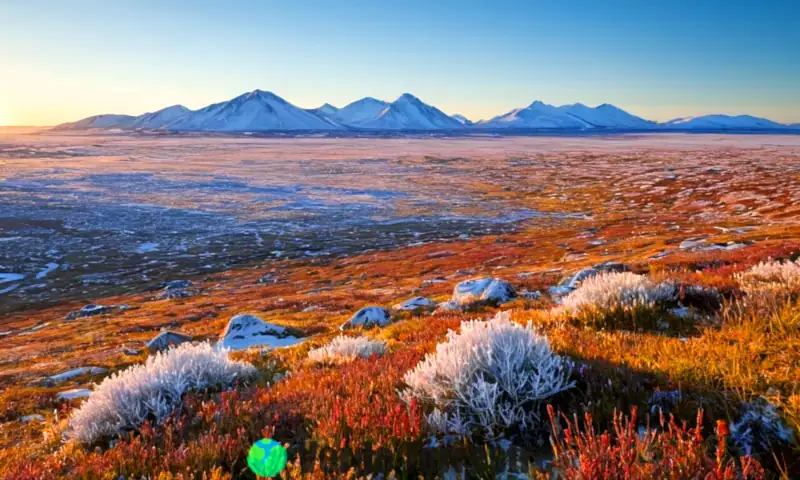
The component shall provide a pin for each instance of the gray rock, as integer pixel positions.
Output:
(611, 266)
(163, 340)
(480, 291)
(177, 284)
(174, 294)
(368, 317)
(245, 331)
(76, 372)
(31, 418)
(89, 311)
(73, 394)
(568, 284)
(416, 303)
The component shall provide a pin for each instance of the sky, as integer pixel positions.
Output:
(64, 60)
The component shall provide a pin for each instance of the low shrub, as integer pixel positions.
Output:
(621, 300)
(632, 452)
(343, 349)
(771, 276)
(488, 379)
(125, 400)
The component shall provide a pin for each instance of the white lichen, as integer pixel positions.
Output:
(345, 349)
(490, 377)
(619, 290)
(152, 391)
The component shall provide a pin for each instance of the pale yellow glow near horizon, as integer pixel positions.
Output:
(48, 111)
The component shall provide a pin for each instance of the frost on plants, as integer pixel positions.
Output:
(489, 378)
(152, 391)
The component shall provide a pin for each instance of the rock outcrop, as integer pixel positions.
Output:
(368, 317)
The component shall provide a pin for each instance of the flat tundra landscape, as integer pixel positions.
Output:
(658, 269)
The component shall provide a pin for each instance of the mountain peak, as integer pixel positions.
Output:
(407, 97)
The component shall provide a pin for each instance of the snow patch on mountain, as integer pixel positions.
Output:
(99, 121)
(536, 115)
(410, 113)
(360, 111)
(605, 116)
(722, 122)
(253, 111)
(462, 119)
(160, 118)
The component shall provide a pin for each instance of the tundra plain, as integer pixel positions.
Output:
(303, 232)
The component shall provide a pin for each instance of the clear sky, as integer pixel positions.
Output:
(64, 60)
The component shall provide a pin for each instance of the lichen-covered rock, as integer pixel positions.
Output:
(568, 284)
(88, 311)
(611, 266)
(368, 317)
(163, 340)
(416, 303)
(174, 294)
(74, 394)
(177, 284)
(480, 291)
(245, 331)
(76, 372)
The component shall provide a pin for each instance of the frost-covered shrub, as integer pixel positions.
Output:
(344, 349)
(771, 278)
(760, 428)
(152, 391)
(488, 378)
(620, 299)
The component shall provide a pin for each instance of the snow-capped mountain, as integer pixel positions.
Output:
(260, 111)
(722, 122)
(360, 111)
(161, 118)
(410, 113)
(606, 116)
(254, 111)
(462, 119)
(536, 115)
(107, 121)
(326, 109)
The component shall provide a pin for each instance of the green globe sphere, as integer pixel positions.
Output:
(266, 458)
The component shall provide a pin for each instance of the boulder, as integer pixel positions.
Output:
(368, 317)
(245, 331)
(480, 291)
(177, 284)
(76, 372)
(611, 266)
(88, 311)
(416, 303)
(174, 294)
(73, 394)
(31, 418)
(163, 340)
(568, 284)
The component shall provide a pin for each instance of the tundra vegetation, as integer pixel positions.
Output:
(682, 364)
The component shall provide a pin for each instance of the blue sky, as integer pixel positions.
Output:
(63, 60)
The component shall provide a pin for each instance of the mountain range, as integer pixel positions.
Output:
(260, 111)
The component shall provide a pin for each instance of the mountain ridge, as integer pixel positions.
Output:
(265, 111)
